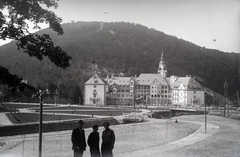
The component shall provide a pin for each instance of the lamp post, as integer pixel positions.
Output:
(40, 124)
(205, 113)
(58, 92)
(41, 94)
(1, 97)
(225, 95)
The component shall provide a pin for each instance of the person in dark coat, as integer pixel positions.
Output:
(108, 140)
(93, 142)
(78, 140)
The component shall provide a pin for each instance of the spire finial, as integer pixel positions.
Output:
(162, 55)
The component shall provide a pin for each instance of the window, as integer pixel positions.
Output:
(94, 86)
(194, 92)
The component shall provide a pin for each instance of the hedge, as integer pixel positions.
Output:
(19, 129)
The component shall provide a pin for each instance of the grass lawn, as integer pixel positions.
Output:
(94, 113)
(98, 108)
(53, 112)
(11, 106)
(32, 117)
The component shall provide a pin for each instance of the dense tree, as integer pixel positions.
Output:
(131, 49)
(14, 25)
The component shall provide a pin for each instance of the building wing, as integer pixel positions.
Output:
(147, 79)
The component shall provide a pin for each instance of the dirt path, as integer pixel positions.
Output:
(225, 142)
(155, 138)
(129, 137)
(221, 140)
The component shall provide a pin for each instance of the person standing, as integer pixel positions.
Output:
(108, 140)
(93, 142)
(78, 140)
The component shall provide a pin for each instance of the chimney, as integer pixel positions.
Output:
(194, 79)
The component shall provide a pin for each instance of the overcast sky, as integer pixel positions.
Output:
(214, 24)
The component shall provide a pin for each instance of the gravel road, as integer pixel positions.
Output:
(222, 139)
(224, 142)
(156, 138)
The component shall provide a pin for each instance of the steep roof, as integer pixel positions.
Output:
(179, 80)
(147, 79)
(95, 80)
(119, 80)
(186, 81)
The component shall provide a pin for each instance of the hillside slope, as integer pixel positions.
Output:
(128, 48)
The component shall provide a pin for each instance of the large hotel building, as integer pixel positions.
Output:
(147, 89)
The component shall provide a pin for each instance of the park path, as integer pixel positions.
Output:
(4, 119)
(158, 137)
(129, 137)
(221, 139)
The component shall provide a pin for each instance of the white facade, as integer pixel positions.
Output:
(147, 89)
(95, 91)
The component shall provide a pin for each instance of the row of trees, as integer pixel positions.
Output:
(54, 93)
(118, 47)
(14, 25)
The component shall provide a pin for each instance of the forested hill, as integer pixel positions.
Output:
(128, 48)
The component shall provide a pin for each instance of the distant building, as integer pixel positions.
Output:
(95, 91)
(146, 89)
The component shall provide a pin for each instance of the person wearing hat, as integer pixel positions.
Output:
(93, 142)
(108, 140)
(78, 140)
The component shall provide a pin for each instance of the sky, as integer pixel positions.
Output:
(214, 24)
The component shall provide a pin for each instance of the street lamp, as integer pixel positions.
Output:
(225, 95)
(1, 97)
(40, 124)
(41, 93)
(205, 112)
(58, 92)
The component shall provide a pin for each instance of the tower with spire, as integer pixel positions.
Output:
(162, 69)
(124, 90)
